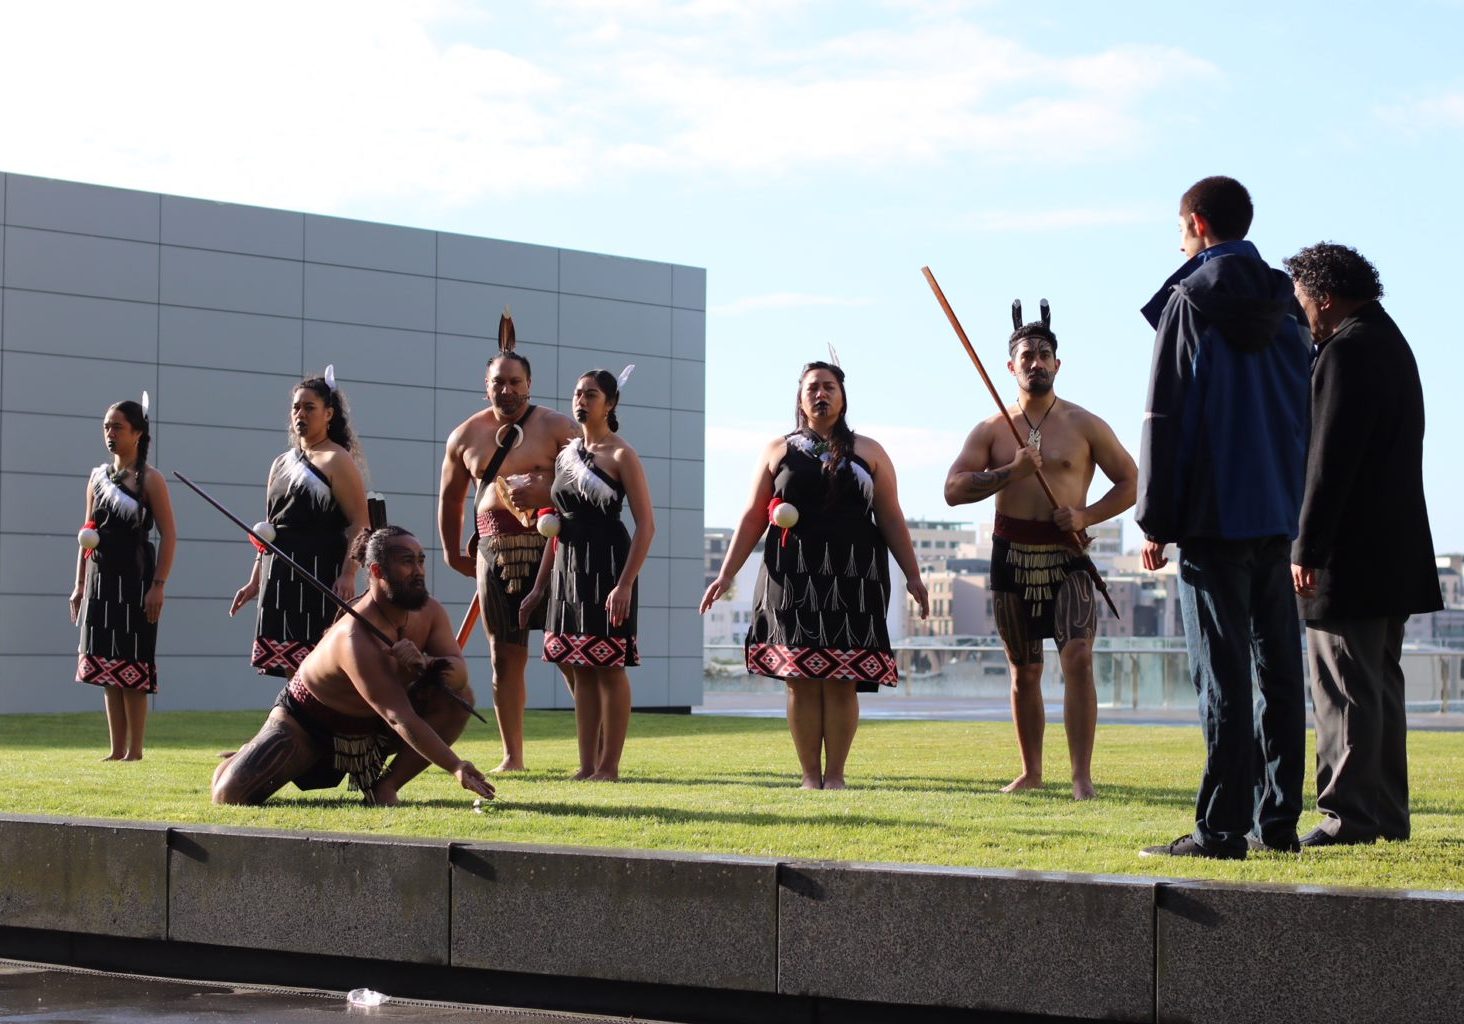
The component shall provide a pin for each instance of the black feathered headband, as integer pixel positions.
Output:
(1036, 329)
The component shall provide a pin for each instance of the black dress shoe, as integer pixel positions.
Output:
(1288, 845)
(1185, 846)
(1321, 837)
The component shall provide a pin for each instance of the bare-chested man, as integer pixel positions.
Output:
(352, 702)
(1040, 586)
(508, 552)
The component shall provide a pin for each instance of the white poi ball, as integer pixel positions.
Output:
(88, 538)
(785, 515)
(266, 532)
(548, 525)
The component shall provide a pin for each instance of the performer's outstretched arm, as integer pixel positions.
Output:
(752, 525)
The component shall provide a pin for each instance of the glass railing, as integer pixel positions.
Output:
(1140, 673)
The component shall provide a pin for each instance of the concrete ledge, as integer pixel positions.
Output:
(1068, 945)
(1264, 954)
(99, 877)
(627, 915)
(356, 896)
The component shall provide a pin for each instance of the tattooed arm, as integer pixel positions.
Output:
(972, 477)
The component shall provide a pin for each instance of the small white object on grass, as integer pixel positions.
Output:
(366, 997)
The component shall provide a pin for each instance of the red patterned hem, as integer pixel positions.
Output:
(860, 664)
(590, 651)
(278, 657)
(123, 673)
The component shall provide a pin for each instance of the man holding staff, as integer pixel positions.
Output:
(509, 449)
(1040, 580)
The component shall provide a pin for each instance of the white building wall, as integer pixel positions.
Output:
(216, 310)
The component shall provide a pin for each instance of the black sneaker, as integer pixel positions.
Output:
(1185, 846)
(1321, 837)
(1290, 844)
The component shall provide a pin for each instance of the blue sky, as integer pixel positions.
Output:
(812, 156)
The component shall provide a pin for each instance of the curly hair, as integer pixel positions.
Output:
(1222, 201)
(339, 428)
(1336, 270)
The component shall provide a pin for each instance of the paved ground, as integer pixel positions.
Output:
(953, 709)
(37, 993)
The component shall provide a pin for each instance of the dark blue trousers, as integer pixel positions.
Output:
(1240, 622)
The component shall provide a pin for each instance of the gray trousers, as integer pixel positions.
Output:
(1362, 732)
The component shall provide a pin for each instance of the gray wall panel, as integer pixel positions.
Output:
(686, 575)
(650, 682)
(230, 281)
(358, 243)
(107, 268)
(349, 296)
(379, 354)
(689, 287)
(224, 398)
(67, 385)
(654, 627)
(474, 310)
(84, 209)
(80, 326)
(217, 311)
(219, 682)
(612, 326)
(614, 277)
(685, 686)
(491, 261)
(229, 227)
(47, 684)
(689, 334)
(682, 533)
(230, 341)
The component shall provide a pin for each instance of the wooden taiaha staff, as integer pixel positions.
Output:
(309, 577)
(1007, 417)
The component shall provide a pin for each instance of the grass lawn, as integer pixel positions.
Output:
(922, 792)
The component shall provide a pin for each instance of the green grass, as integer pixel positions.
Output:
(922, 792)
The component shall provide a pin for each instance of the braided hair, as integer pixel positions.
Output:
(132, 412)
(609, 385)
(841, 438)
(339, 428)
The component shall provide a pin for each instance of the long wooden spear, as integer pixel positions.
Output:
(319, 585)
(1046, 487)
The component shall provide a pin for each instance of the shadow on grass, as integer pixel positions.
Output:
(682, 814)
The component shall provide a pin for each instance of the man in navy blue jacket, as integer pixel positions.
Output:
(1221, 467)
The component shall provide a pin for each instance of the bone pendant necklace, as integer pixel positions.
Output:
(1034, 434)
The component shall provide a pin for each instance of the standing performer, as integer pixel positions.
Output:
(119, 577)
(590, 626)
(509, 448)
(317, 505)
(824, 586)
(1039, 579)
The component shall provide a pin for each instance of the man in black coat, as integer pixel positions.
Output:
(1363, 561)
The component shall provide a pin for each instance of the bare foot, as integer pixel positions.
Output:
(509, 764)
(811, 782)
(834, 782)
(1023, 781)
(112, 757)
(131, 757)
(582, 775)
(226, 754)
(382, 794)
(1083, 789)
(603, 777)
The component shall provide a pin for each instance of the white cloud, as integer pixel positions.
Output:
(1445, 110)
(332, 103)
(782, 300)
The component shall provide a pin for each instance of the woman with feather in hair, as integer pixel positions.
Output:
(120, 577)
(824, 500)
(590, 628)
(316, 503)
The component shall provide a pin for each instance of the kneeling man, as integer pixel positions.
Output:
(353, 701)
